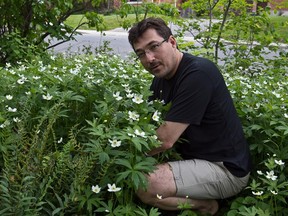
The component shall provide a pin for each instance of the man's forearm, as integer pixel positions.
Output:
(156, 150)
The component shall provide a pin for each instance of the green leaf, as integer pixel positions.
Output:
(103, 157)
(56, 211)
(143, 166)
(123, 175)
(124, 162)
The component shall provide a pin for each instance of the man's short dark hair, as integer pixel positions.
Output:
(150, 23)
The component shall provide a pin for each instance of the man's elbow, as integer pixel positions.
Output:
(167, 145)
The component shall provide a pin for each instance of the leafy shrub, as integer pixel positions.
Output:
(260, 95)
(68, 124)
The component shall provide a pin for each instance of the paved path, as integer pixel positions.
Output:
(118, 41)
(117, 38)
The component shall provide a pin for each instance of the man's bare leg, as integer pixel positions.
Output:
(161, 193)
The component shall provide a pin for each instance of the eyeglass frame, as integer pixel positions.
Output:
(152, 49)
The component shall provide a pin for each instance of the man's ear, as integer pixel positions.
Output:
(173, 41)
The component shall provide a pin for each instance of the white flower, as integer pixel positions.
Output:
(115, 143)
(270, 175)
(117, 96)
(273, 192)
(133, 116)
(125, 85)
(128, 90)
(47, 97)
(12, 72)
(156, 116)
(9, 97)
(279, 162)
(96, 189)
(22, 67)
(285, 115)
(132, 135)
(130, 95)
(259, 172)
(36, 77)
(139, 133)
(58, 77)
(21, 81)
(16, 119)
(60, 140)
(9, 109)
(6, 123)
(159, 197)
(113, 188)
(155, 137)
(138, 99)
(74, 71)
(258, 193)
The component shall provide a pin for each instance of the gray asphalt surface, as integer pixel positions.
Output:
(117, 40)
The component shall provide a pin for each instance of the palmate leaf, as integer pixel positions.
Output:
(135, 174)
(69, 95)
(123, 175)
(106, 207)
(283, 128)
(144, 166)
(103, 157)
(127, 210)
(282, 198)
(138, 179)
(142, 212)
(139, 143)
(124, 162)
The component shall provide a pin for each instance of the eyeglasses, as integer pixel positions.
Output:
(151, 49)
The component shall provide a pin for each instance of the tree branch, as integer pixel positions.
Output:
(69, 38)
(221, 29)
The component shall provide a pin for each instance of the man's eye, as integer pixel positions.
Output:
(140, 55)
(154, 47)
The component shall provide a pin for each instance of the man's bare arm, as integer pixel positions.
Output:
(168, 133)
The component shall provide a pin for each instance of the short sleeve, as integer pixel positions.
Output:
(191, 98)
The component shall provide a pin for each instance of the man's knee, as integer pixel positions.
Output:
(145, 196)
(148, 195)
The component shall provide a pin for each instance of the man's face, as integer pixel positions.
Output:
(157, 54)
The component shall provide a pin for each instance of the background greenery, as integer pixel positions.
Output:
(114, 21)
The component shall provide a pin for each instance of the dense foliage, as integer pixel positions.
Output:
(67, 124)
(73, 131)
(27, 25)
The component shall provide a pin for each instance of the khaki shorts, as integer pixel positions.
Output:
(201, 179)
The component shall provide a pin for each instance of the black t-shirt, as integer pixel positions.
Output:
(199, 96)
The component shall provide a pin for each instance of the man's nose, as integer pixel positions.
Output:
(149, 56)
